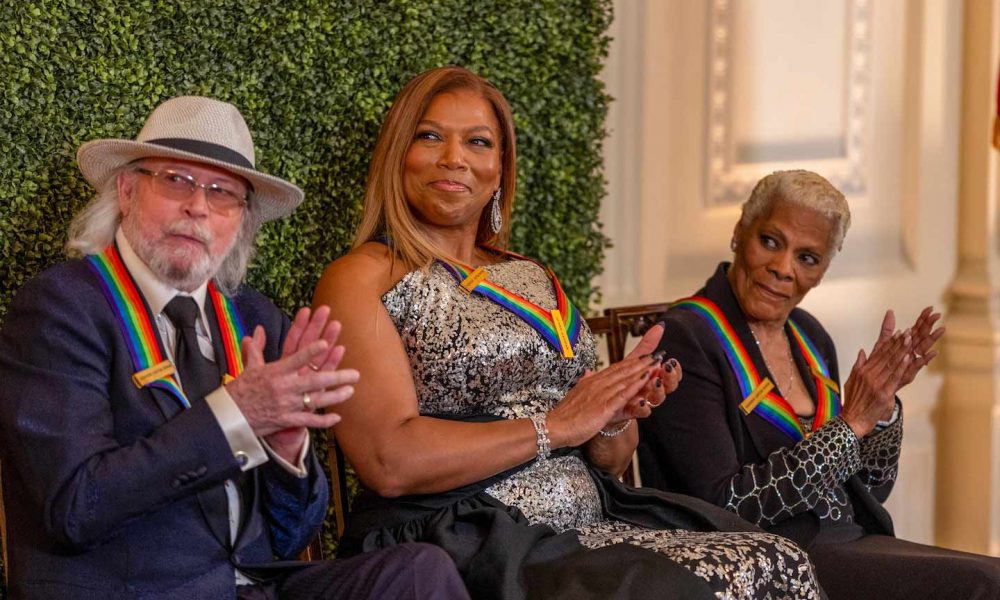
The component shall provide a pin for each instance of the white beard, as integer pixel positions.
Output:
(175, 267)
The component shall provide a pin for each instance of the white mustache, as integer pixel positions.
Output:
(191, 230)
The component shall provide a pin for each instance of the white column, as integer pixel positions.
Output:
(968, 462)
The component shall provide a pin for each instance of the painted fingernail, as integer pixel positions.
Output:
(668, 367)
(642, 403)
(673, 362)
(658, 382)
(659, 355)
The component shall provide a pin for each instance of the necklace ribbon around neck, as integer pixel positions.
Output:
(560, 327)
(142, 339)
(759, 393)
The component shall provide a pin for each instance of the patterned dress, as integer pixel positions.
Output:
(470, 356)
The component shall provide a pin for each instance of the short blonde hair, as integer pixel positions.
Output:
(386, 211)
(802, 188)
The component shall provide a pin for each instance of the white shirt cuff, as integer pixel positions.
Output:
(299, 468)
(892, 419)
(246, 448)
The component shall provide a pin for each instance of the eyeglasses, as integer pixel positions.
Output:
(178, 186)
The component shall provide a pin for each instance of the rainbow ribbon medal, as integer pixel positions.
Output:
(560, 327)
(143, 342)
(827, 390)
(759, 394)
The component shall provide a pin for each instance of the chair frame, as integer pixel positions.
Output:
(625, 321)
(339, 498)
(338, 484)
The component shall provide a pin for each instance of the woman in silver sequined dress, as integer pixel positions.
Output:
(789, 459)
(478, 424)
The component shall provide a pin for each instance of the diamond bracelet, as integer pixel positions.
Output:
(541, 435)
(615, 432)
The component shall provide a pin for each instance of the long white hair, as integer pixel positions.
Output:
(93, 229)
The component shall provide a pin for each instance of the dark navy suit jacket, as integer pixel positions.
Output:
(106, 485)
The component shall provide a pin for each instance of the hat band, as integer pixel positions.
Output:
(206, 149)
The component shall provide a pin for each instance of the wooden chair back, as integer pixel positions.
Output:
(630, 321)
(617, 325)
(339, 495)
(339, 498)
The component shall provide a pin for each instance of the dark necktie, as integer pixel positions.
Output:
(198, 375)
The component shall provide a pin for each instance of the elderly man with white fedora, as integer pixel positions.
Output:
(154, 411)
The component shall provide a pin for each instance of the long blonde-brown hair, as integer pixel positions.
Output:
(386, 211)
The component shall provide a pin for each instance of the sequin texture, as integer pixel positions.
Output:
(811, 474)
(470, 356)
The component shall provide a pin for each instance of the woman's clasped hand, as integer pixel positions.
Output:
(603, 400)
(894, 361)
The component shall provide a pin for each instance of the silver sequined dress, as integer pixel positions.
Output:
(470, 356)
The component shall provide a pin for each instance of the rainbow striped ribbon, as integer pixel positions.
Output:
(560, 327)
(827, 390)
(231, 331)
(772, 407)
(141, 337)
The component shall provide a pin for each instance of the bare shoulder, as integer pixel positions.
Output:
(367, 271)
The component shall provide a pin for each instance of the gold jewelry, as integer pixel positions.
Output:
(306, 401)
(313, 367)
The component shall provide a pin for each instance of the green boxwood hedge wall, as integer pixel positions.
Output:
(314, 79)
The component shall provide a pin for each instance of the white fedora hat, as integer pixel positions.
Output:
(199, 129)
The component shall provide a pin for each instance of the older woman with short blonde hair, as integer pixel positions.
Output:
(760, 425)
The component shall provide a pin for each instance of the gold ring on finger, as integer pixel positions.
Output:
(306, 401)
(313, 367)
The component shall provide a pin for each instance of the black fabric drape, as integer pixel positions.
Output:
(503, 556)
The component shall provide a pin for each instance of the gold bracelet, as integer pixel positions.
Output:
(616, 432)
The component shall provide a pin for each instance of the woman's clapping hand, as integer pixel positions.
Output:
(628, 389)
(923, 337)
(870, 391)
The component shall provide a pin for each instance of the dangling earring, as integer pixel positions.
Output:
(496, 218)
(732, 244)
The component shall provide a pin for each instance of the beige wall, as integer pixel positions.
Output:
(712, 94)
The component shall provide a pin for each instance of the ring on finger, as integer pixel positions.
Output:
(306, 401)
(313, 367)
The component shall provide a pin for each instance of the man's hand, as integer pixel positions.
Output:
(272, 396)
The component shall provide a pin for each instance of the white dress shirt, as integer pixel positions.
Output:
(248, 450)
